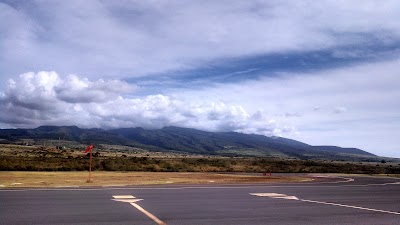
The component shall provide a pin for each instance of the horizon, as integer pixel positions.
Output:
(89, 128)
(321, 72)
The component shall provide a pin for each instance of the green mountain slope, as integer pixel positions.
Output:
(187, 140)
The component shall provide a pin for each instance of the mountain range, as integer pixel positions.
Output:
(189, 141)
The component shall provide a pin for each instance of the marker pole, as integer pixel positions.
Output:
(90, 167)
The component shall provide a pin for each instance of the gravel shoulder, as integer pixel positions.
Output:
(16, 179)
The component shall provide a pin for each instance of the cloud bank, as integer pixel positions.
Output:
(35, 99)
(323, 72)
(351, 106)
(339, 107)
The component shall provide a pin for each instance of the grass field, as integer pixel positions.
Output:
(100, 178)
(121, 165)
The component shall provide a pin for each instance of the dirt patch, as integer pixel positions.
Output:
(66, 179)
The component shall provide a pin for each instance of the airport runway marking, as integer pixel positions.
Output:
(308, 185)
(243, 186)
(350, 206)
(123, 196)
(132, 200)
(283, 196)
(345, 179)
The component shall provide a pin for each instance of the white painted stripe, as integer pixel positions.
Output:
(132, 200)
(268, 195)
(275, 195)
(365, 185)
(346, 180)
(350, 206)
(283, 196)
(123, 196)
(151, 216)
(128, 200)
(289, 197)
(243, 186)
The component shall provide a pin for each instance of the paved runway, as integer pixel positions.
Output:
(364, 200)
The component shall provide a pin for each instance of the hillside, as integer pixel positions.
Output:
(189, 141)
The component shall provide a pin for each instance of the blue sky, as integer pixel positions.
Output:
(322, 72)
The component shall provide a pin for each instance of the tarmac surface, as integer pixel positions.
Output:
(326, 200)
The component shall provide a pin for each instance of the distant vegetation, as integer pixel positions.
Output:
(190, 141)
(190, 165)
(173, 149)
(34, 158)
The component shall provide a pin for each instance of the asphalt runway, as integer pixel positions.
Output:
(327, 200)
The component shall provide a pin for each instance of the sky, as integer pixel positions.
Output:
(320, 72)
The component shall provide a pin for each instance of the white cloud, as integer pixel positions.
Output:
(339, 109)
(353, 106)
(111, 41)
(75, 90)
(47, 98)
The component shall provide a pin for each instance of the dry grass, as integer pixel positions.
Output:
(65, 179)
(389, 175)
(77, 150)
